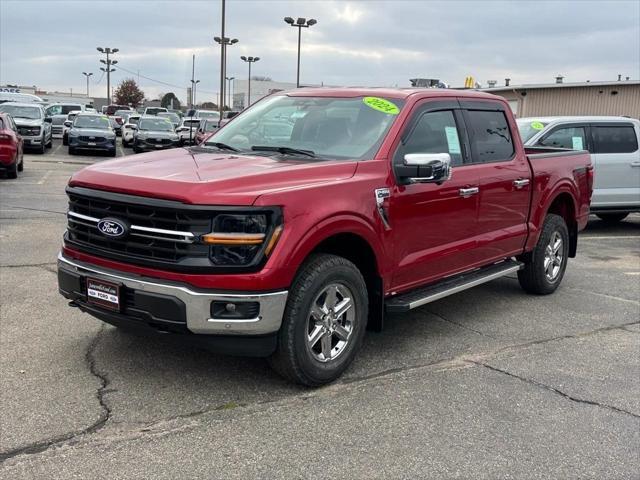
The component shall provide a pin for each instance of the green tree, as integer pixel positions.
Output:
(166, 101)
(128, 93)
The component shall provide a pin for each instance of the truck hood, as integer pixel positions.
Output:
(28, 122)
(208, 178)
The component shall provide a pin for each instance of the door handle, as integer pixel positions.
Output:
(635, 164)
(521, 182)
(467, 192)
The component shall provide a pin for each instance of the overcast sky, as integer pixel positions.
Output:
(49, 43)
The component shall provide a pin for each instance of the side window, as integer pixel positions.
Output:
(566, 137)
(615, 139)
(489, 136)
(54, 110)
(435, 132)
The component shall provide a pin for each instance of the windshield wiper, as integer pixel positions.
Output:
(283, 150)
(221, 146)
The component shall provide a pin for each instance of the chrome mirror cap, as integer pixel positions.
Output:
(437, 166)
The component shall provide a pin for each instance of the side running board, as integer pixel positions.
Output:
(423, 295)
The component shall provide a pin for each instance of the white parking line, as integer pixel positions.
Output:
(44, 179)
(594, 237)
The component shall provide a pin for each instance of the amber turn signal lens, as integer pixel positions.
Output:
(273, 240)
(233, 238)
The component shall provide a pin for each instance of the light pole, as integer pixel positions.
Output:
(229, 79)
(300, 23)
(249, 60)
(223, 41)
(108, 62)
(87, 75)
(193, 92)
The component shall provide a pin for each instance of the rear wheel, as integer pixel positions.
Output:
(12, 171)
(612, 217)
(50, 143)
(72, 151)
(546, 265)
(21, 164)
(324, 321)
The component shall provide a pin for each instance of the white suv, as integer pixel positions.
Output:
(614, 146)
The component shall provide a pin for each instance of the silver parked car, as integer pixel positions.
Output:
(32, 124)
(614, 146)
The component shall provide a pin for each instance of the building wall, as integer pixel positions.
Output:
(584, 100)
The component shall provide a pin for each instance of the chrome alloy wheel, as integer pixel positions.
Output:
(553, 256)
(331, 322)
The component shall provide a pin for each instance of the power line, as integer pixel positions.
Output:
(161, 82)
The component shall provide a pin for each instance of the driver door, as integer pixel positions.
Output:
(433, 224)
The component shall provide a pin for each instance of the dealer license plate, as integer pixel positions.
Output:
(104, 294)
(92, 144)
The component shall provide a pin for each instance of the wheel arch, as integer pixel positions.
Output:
(564, 205)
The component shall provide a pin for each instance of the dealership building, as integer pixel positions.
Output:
(616, 98)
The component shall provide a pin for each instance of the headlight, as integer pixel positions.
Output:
(238, 239)
(34, 131)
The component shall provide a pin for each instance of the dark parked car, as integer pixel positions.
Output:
(154, 133)
(92, 131)
(11, 153)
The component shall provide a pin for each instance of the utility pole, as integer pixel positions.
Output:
(223, 41)
(108, 62)
(193, 71)
(300, 23)
(229, 79)
(87, 75)
(249, 60)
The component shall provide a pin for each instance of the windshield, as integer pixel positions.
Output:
(92, 121)
(17, 111)
(210, 126)
(171, 116)
(528, 128)
(161, 124)
(154, 111)
(215, 115)
(191, 123)
(133, 120)
(339, 128)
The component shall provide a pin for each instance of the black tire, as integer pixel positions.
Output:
(72, 151)
(65, 140)
(612, 217)
(21, 164)
(112, 154)
(12, 171)
(50, 144)
(125, 144)
(42, 148)
(534, 276)
(294, 359)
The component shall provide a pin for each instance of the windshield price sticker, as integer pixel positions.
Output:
(382, 105)
(537, 125)
(452, 139)
(577, 143)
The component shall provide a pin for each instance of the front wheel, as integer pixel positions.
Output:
(324, 321)
(544, 269)
(612, 217)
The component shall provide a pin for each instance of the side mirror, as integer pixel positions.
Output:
(431, 167)
(68, 123)
(48, 119)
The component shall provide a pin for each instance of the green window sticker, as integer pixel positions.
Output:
(452, 139)
(382, 105)
(537, 125)
(577, 143)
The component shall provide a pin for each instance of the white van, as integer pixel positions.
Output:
(614, 146)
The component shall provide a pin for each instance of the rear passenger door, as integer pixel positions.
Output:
(574, 136)
(616, 158)
(504, 180)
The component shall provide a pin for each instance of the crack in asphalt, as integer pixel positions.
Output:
(461, 325)
(555, 390)
(43, 265)
(71, 438)
(156, 426)
(36, 209)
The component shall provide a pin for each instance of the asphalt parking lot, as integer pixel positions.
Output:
(489, 383)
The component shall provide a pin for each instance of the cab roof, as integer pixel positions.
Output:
(403, 93)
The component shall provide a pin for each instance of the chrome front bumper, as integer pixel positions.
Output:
(198, 303)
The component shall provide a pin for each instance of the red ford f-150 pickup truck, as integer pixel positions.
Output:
(299, 224)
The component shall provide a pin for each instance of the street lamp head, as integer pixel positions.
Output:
(233, 41)
(301, 21)
(100, 49)
(217, 39)
(103, 69)
(103, 61)
(311, 22)
(255, 59)
(243, 58)
(113, 62)
(288, 20)
(115, 50)
(197, 81)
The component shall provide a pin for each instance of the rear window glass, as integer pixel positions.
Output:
(615, 139)
(489, 135)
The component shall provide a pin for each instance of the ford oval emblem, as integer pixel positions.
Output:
(112, 227)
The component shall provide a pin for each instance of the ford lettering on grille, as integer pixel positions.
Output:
(112, 227)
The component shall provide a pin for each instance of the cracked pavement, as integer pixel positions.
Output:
(489, 383)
